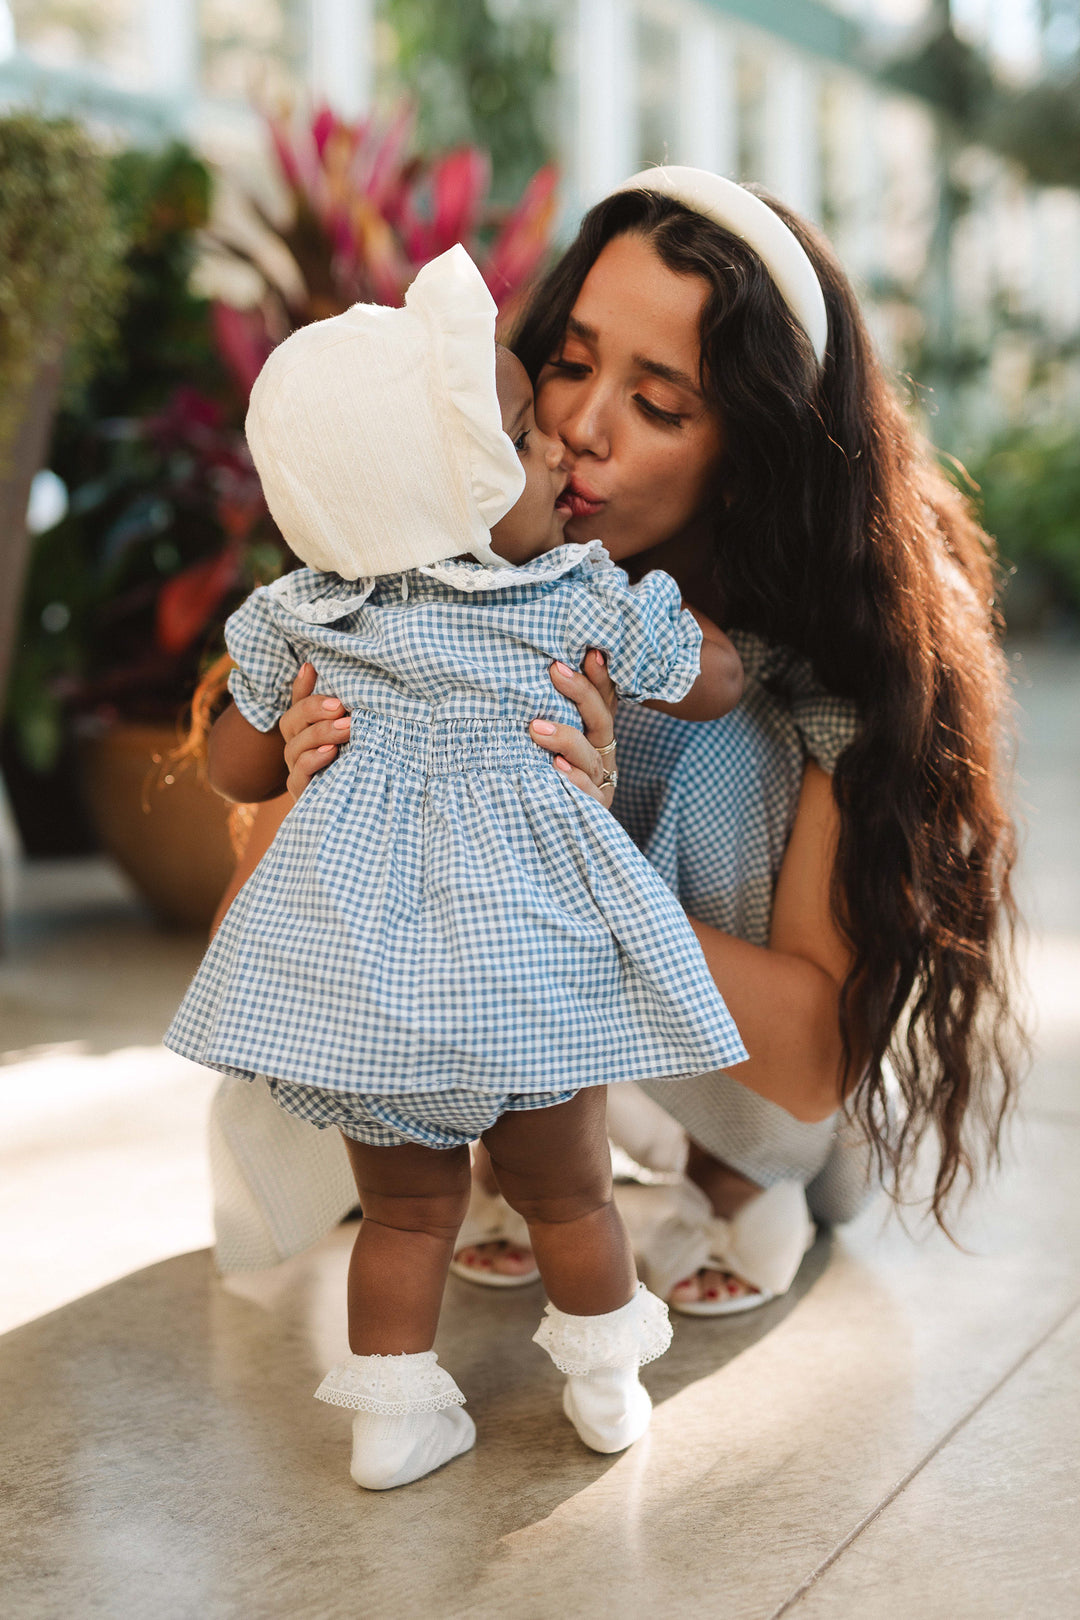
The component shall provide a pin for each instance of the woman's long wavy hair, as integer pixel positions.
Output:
(835, 534)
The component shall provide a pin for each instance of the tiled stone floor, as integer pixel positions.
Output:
(896, 1439)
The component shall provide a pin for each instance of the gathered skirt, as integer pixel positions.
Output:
(443, 913)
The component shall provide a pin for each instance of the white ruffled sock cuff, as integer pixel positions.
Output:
(636, 1333)
(392, 1385)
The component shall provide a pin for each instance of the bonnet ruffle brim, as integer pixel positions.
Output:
(377, 434)
(450, 297)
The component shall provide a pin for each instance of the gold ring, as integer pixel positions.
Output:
(608, 748)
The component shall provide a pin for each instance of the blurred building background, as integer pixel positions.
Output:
(910, 129)
(937, 143)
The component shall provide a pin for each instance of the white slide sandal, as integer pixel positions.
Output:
(763, 1244)
(490, 1219)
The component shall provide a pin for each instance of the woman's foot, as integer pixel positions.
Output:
(728, 1192)
(500, 1258)
(492, 1245)
(708, 1286)
(726, 1246)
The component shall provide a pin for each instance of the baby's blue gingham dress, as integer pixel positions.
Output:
(444, 928)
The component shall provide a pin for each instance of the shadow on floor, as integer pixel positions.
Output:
(171, 1415)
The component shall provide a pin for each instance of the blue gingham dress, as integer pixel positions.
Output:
(444, 928)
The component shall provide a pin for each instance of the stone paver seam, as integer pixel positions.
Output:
(841, 1547)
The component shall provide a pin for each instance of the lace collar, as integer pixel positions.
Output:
(475, 576)
(317, 598)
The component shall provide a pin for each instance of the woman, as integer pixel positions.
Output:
(839, 842)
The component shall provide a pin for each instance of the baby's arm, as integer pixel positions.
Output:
(660, 653)
(719, 686)
(245, 756)
(244, 764)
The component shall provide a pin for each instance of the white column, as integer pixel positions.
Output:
(708, 104)
(792, 155)
(605, 80)
(340, 64)
(1064, 255)
(171, 32)
(7, 31)
(859, 183)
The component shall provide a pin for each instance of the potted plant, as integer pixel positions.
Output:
(145, 450)
(166, 529)
(60, 280)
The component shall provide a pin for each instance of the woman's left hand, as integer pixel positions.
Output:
(578, 753)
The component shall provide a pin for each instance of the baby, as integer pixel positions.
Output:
(448, 940)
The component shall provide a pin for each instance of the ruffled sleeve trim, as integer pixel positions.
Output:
(264, 659)
(826, 723)
(682, 670)
(459, 312)
(653, 645)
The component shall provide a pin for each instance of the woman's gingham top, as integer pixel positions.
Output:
(712, 807)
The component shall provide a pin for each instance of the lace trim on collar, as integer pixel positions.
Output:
(475, 576)
(329, 599)
(317, 598)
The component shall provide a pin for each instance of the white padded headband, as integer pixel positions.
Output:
(754, 222)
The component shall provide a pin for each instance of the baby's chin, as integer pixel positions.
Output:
(578, 531)
(552, 543)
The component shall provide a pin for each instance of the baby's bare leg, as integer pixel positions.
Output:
(553, 1166)
(414, 1200)
(407, 1417)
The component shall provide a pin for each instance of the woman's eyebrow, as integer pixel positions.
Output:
(655, 368)
(578, 329)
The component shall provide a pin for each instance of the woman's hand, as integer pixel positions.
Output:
(314, 729)
(577, 753)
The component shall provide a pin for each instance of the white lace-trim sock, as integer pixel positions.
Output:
(408, 1416)
(389, 1451)
(609, 1408)
(604, 1398)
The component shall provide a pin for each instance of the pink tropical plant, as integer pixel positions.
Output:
(364, 215)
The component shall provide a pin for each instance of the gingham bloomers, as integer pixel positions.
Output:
(444, 928)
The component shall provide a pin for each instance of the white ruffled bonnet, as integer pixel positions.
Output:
(377, 434)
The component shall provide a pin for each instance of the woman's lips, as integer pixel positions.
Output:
(580, 502)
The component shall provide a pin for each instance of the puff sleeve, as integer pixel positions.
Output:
(266, 663)
(826, 723)
(653, 645)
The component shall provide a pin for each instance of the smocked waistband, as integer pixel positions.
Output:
(438, 747)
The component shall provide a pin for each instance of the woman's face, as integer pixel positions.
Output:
(642, 446)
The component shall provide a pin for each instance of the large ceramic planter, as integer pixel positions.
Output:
(167, 830)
